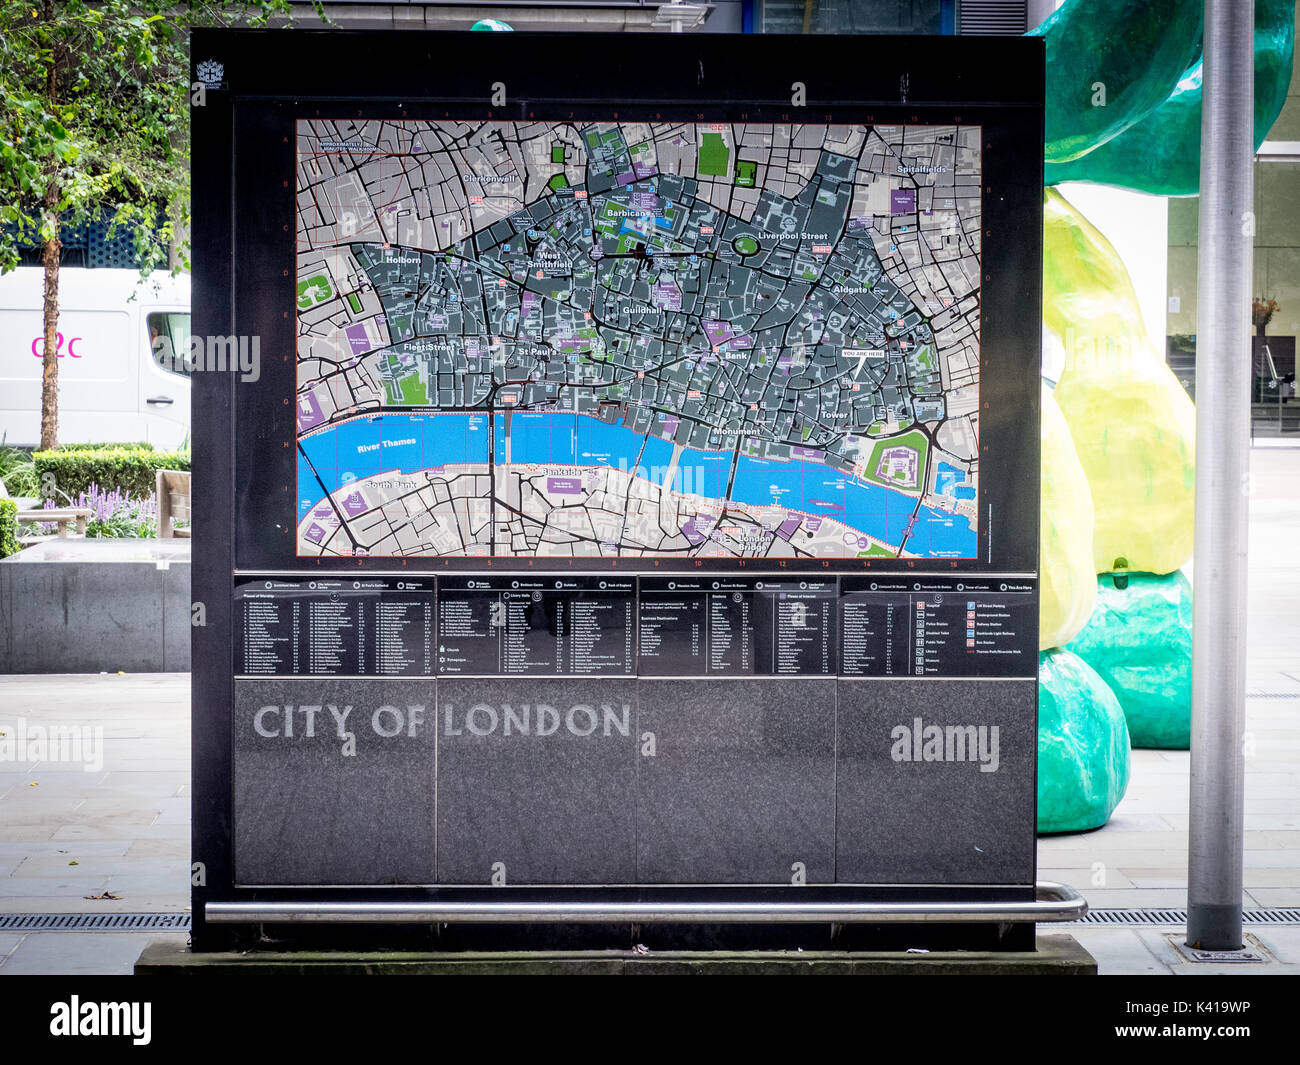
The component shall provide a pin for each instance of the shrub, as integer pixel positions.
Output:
(18, 472)
(131, 469)
(143, 445)
(8, 528)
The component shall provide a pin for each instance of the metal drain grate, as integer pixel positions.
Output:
(180, 922)
(94, 922)
(1273, 695)
(1287, 915)
(1147, 918)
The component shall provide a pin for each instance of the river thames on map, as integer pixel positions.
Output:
(367, 448)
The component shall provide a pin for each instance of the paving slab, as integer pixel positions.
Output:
(82, 953)
(1118, 950)
(1283, 942)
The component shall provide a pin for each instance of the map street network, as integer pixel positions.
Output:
(669, 340)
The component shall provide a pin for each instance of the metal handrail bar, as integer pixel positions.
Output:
(1052, 902)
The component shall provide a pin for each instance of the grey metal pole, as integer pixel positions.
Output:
(1224, 281)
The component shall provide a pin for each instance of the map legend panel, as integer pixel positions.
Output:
(505, 626)
(736, 626)
(369, 626)
(938, 627)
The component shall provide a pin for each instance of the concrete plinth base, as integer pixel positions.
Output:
(1057, 955)
(96, 606)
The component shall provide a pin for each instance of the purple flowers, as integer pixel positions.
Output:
(113, 513)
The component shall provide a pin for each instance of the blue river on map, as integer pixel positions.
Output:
(362, 447)
(949, 483)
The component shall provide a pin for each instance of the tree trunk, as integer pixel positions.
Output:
(50, 365)
(50, 250)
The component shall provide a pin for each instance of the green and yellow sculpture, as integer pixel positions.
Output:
(1139, 641)
(1068, 585)
(1124, 109)
(1124, 89)
(1083, 745)
(1133, 425)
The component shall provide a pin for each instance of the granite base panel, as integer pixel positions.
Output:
(97, 612)
(305, 813)
(1056, 955)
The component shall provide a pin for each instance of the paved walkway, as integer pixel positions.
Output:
(113, 840)
(1139, 858)
(117, 839)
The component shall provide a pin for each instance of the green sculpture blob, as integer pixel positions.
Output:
(1161, 152)
(1139, 640)
(1109, 63)
(1083, 746)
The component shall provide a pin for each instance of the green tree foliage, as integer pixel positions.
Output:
(94, 122)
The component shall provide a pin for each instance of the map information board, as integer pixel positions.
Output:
(635, 448)
(637, 339)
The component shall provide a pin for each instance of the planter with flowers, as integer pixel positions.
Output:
(1261, 313)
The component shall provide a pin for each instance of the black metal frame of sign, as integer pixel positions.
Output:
(702, 740)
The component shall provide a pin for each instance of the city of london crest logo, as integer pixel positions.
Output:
(211, 73)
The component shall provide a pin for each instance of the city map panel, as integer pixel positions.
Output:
(637, 340)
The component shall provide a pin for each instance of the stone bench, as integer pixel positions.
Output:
(59, 516)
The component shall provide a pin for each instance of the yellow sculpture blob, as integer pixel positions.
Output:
(1086, 287)
(1068, 586)
(1133, 425)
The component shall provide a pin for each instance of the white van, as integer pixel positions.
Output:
(111, 387)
